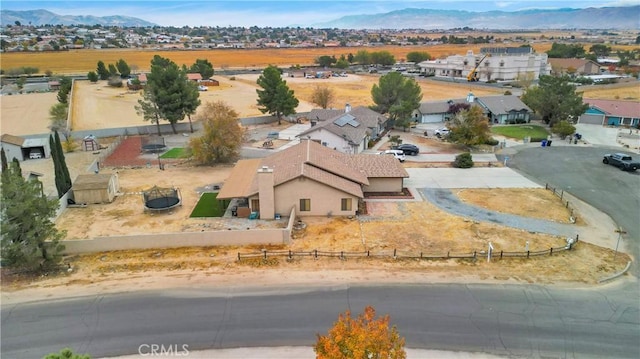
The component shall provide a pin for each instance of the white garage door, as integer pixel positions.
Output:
(431, 118)
(591, 119)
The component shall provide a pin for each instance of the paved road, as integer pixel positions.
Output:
(510, 320)
(580, 171)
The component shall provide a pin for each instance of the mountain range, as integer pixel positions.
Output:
(589, 18)
(44, 17)
(410, 18)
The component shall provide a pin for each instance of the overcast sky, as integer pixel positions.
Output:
(277, 13)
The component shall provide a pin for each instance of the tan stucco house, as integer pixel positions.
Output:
(347, 130)
(314, 179)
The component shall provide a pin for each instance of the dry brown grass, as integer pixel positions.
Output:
(359, 93)
(629, 91)
(82, 61)
(533, 200)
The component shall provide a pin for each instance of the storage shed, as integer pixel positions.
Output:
(95, 188)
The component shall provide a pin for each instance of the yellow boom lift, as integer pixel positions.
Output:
(473, 75)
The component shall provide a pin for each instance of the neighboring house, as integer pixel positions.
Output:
(95, 188)
(611, 113)
(499, 64)
(437, 111)
(347, 130)
(578, 67)
(500, 109)
(142, 78)
(505, 109)
(194, 77)
(24, 148)
(315, 179)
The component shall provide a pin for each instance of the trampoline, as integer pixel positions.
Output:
(153, 144)
(161, 199)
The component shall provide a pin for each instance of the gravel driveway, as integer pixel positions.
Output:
(447, 201)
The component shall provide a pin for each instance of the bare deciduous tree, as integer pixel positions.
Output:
(323, 96)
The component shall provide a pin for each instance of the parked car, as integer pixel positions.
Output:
(442, 132)
(203, 88)
(622, 161)
(398, 154)
(309, 77)
(34, 155)
(409, 149)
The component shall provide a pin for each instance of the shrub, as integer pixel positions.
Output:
(69, 145)
(115, 81)
(537, 139)
(491, 142)
(463, 160)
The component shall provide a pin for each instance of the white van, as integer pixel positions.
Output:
(398, 154)
(34, 155)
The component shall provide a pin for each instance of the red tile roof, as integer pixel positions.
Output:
(312, 160)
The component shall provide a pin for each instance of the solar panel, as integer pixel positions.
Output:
(346, 119)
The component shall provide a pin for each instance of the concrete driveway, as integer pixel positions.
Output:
(598, 135)
(500, 177)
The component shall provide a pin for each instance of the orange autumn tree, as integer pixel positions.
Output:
(362, 337)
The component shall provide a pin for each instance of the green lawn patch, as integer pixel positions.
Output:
(177, 152)
(521, 131)
(208, 206)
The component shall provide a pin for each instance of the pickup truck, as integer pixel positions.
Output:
(622, 161)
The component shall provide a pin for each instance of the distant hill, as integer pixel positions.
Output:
(589, 18)
(44, 17)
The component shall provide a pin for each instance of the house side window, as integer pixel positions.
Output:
(305, 205)
(345, 204)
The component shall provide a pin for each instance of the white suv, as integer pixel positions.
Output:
(442, 132)
(398, 154)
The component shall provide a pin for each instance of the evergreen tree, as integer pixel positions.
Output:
(275, 97)
(63, 162)
(202, 67)
(3, 160)
(92, 76)
(555, 99)
(102, 71)
(29, 238)
(169, 90)
(58, 176)
(397, 96)
(62, 177)
(113, 71)
(65, 88)
(123, 68)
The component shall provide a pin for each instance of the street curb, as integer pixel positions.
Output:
(617, 274)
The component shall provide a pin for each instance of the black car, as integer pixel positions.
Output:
(409, 149)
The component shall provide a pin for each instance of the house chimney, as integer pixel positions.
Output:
(266, 195)
(470, 97)
(347, 108)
